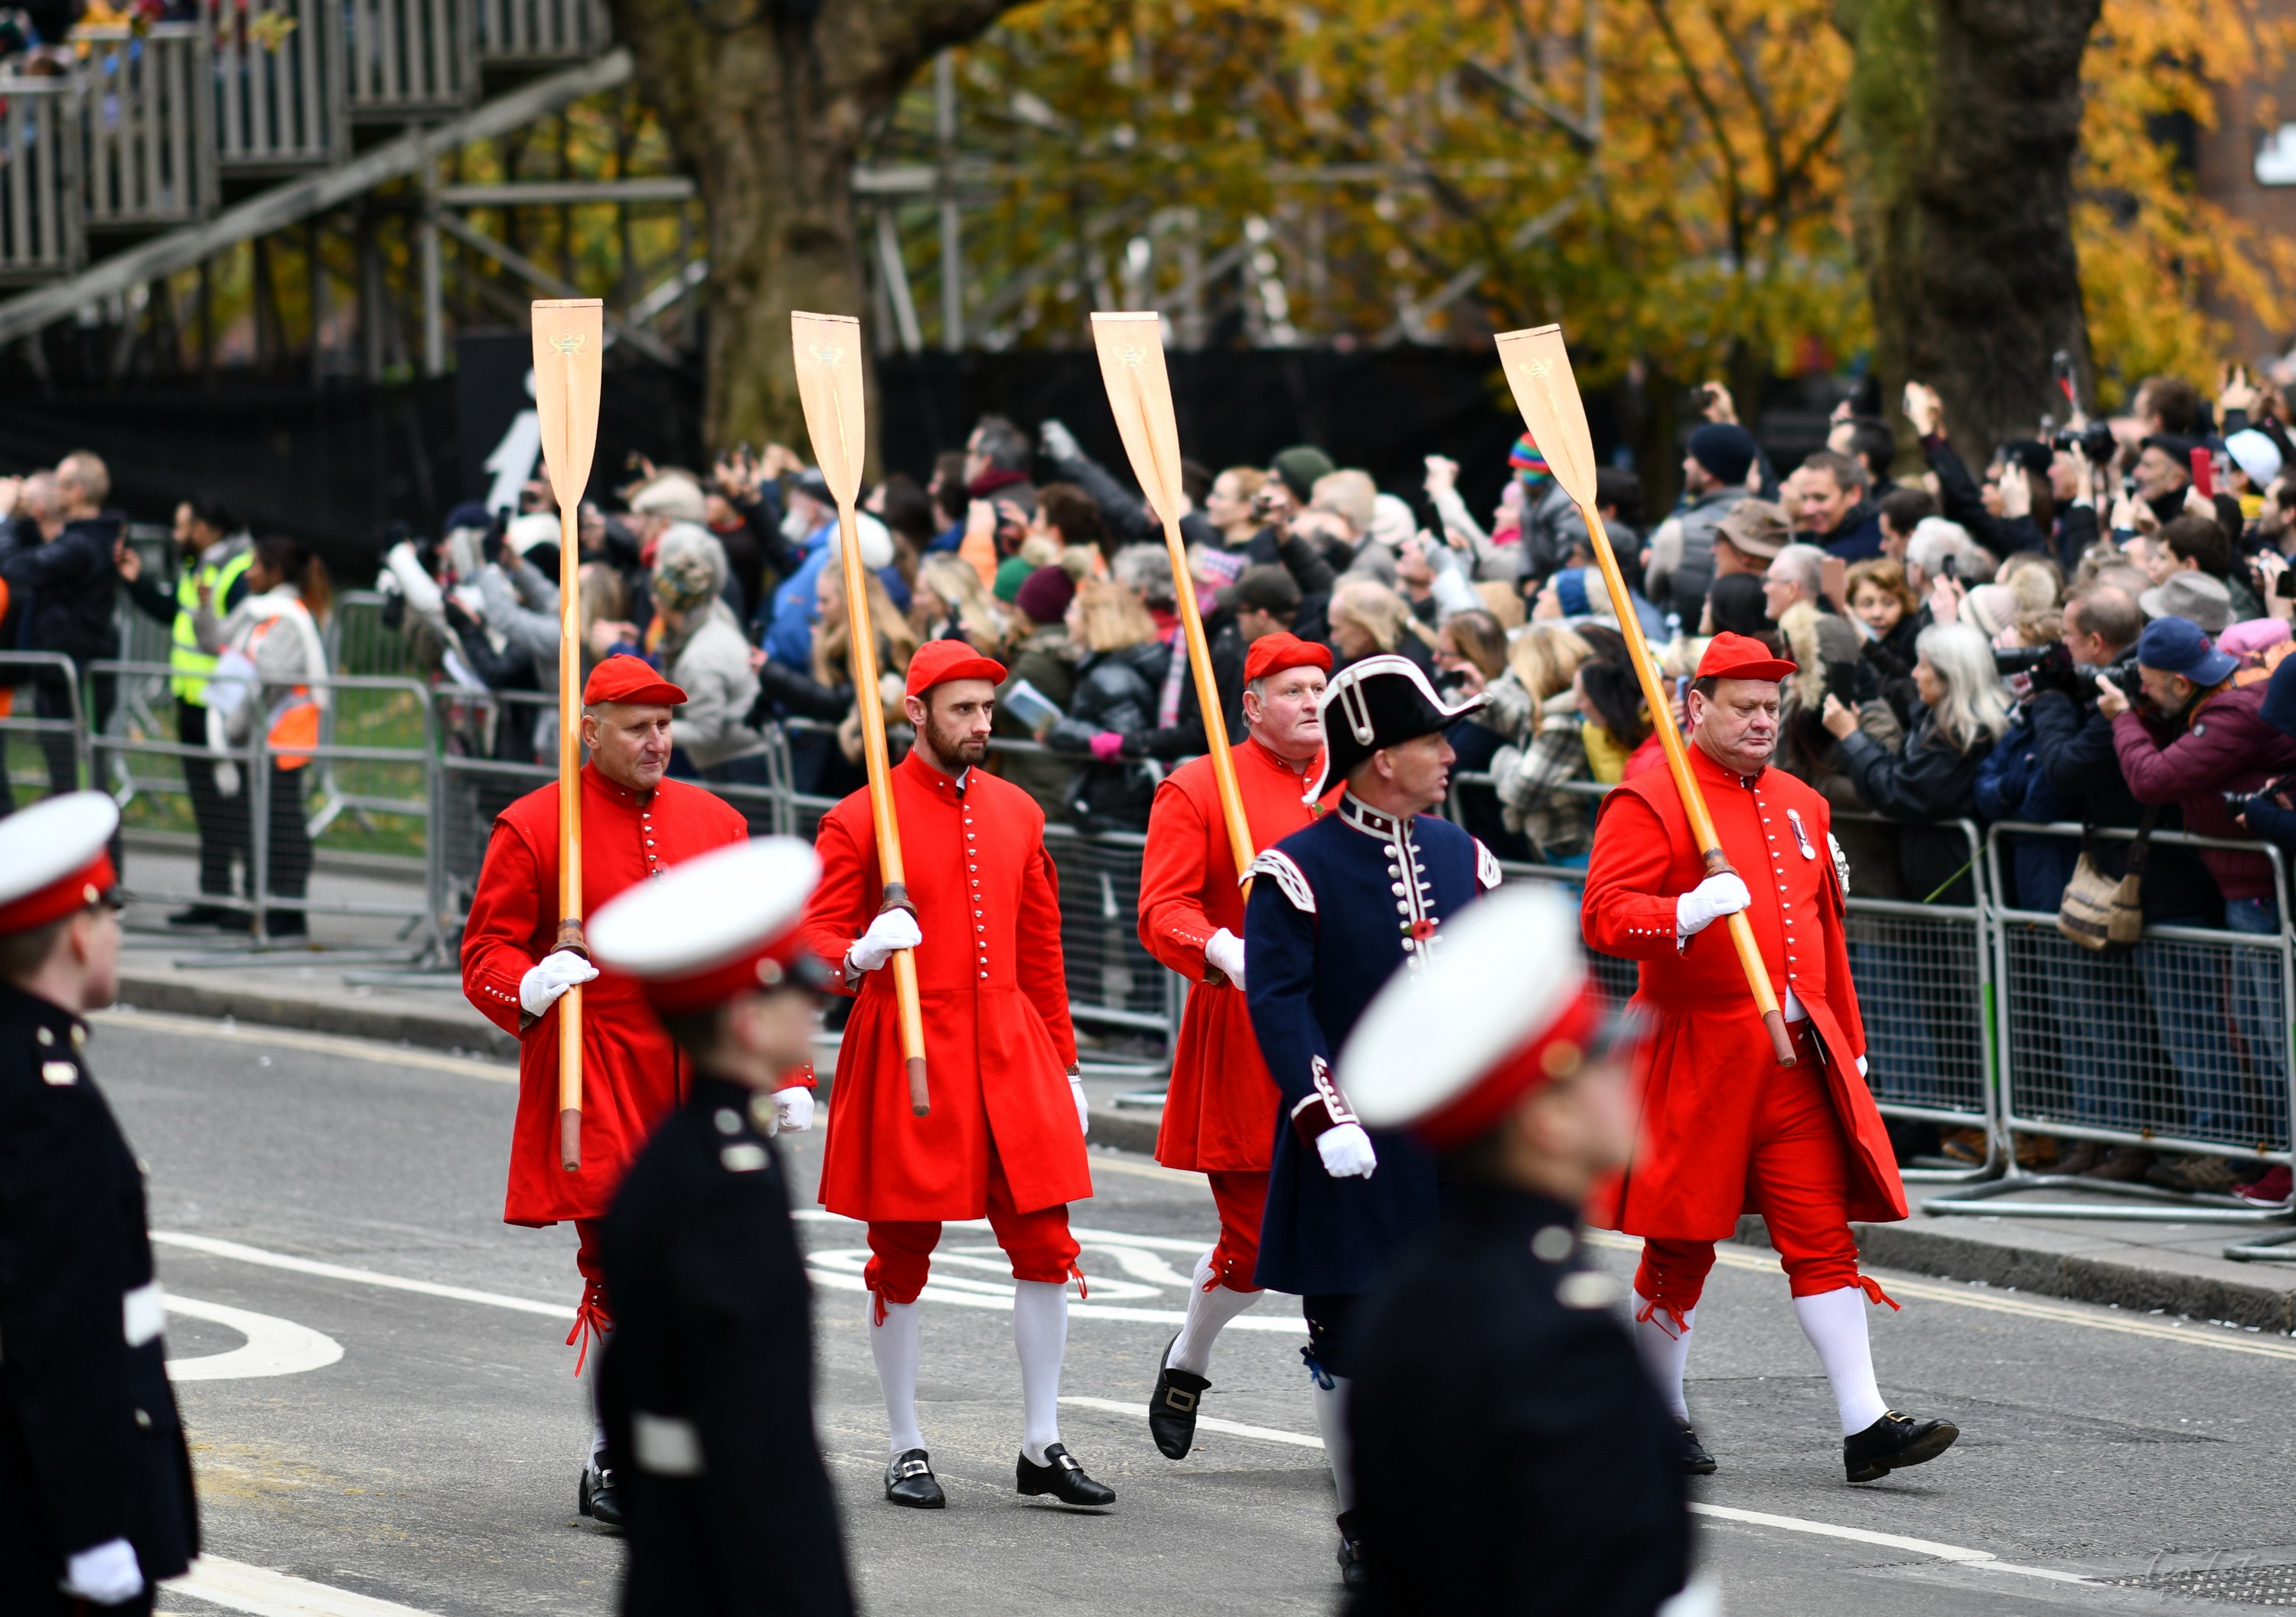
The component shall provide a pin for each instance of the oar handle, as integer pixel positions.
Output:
(1208, 701)
(1686, 784)
(862, 651)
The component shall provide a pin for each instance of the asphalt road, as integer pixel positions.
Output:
(416, 1449)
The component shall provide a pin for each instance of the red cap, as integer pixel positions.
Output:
(1273, 654)
(1741, 657)
(938, 661)
(622, 678)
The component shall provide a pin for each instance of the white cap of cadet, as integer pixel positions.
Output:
(715, 926)
(55, 858)
(1503, 1004)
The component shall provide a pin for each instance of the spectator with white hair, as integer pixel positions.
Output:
(1941, 549)
(702, 652)
(1797, 573)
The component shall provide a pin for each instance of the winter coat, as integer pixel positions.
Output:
(1930, 782)
(1679, 568)
(2013, 785)
(520, 604)
(2226, 746)
(2075, 751)
(712, 666)
(1046, 659)
(1114, 691)
(275, 632)
(72, 581)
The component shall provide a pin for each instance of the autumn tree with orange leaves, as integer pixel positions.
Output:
(1741, 187)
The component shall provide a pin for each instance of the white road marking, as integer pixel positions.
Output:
(215, 1248)
(2190, 1333)
(1982, 1558)
(259, 1592)
(274, 1346)
(1000, 1298)
(1266, 1434)
(318, 1044)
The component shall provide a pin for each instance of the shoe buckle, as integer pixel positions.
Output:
(1176, 1398)
(906, 1469)
(1066, 1462)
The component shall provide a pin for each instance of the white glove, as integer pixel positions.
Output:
(1226, 951)
(1347, 1153)
(1708, 902)
(106, 1575)
(792, 1110)
(892, 930)
(1084, 1108)
(551, 976)
(1861, 1066)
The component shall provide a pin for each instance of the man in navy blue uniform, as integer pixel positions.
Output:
(1336, 909)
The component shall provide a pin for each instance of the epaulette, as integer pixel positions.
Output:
(1288, 876)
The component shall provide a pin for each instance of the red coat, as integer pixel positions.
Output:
(631, 1073)
(1708, 1050)
(1219, 1110)
(997, 1039)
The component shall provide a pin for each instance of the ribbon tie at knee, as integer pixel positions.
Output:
(590, 1315)
(1875, 1294)
(1661, 1312)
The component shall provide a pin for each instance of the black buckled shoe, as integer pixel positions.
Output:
(1352, 1574)
(1063, 1478)
(600, 1496)
(1894, 1441)
(909, 1481)
(1172, 1408)
(1695, 1461)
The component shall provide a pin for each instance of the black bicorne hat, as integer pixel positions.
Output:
(1381, 702)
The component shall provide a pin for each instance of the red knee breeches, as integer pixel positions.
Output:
(1241, 1199)
(1038, 1245)
(1798, 1179)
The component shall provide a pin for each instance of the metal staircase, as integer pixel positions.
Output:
(161, 147)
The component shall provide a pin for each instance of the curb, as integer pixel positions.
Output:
(2074, 1271)
(354, 1018)
(1123, 1131)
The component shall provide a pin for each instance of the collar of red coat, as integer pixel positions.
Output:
(1702, 765)
(615, 791)
(940, 785)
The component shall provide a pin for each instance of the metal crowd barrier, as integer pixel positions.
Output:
(2181, 1044)
(377, 740)
(1925, 975)
(58, 744)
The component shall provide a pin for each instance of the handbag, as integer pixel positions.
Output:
(2102, 912)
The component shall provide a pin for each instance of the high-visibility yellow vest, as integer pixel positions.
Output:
(192, 665)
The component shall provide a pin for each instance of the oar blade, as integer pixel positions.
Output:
(569, 351)
(827, 349)
(1131, 347)
(1538, 371)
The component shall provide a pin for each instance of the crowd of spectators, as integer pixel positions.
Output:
(2080, 633)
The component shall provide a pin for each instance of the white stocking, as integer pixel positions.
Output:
(1332, 1421)
(1040, 1333)
(1210, 1306)
(1665, 1352)
(896, 1346)
(1835, 1324)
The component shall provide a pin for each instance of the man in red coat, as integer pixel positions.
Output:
(635, 825)
(1221, 1108)
(1005, 1138)
(1725, 1129)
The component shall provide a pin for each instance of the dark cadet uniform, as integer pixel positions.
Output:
(707, 1384)
(1494, 1355)
(91, 1448)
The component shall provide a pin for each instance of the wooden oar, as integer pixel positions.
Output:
(828, 350)
(568, 347)
(1538, 371)
(1140, 394)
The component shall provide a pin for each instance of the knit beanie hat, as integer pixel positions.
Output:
(1726, 449)
(1044, 598)
(1527, 463)
(1011, 572)
(1299, 466)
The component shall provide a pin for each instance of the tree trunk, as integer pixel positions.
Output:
(1963, 118)
(768, 102)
